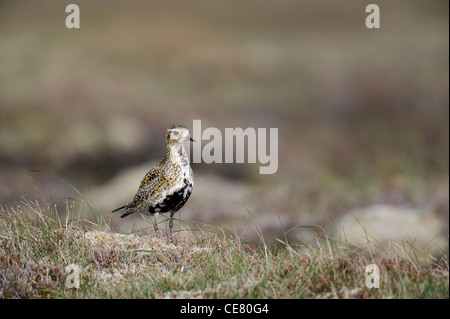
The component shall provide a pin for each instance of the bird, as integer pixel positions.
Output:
(166, 187)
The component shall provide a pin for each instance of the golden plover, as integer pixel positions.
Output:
(166, 187)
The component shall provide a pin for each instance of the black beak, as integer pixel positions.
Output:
(191, 139)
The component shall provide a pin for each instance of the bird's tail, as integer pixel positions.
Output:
(120, 208)
(127, 210)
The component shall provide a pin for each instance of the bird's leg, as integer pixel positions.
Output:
(155, 221)
(171, 224)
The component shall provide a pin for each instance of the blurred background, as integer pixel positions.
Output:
(362, 114)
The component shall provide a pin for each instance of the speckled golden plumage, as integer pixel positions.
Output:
(167, 186)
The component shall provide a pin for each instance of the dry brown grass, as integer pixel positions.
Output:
(36, 247)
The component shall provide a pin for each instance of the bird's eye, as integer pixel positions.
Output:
(175, 133)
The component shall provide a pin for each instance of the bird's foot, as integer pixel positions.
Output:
(158, 233)
(171, 239)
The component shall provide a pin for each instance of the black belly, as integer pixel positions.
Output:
(172, 203)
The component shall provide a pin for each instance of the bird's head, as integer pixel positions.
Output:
(177, 134)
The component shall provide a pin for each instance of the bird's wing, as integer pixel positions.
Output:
(152, 185)
(149, 190)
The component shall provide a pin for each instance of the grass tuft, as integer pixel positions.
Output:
(37, 243)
